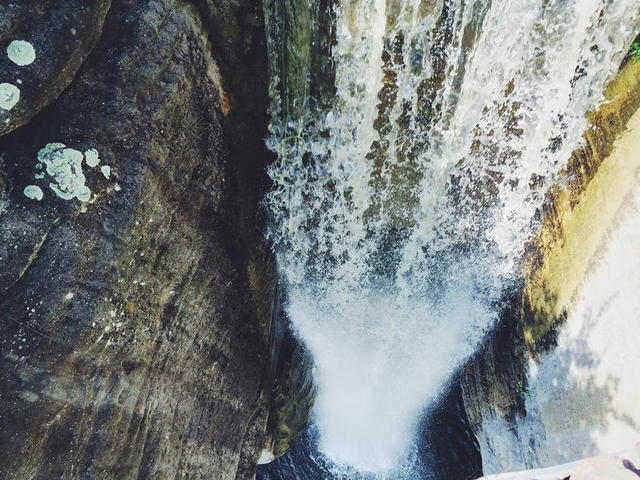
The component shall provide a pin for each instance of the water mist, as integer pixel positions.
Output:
(416, 141)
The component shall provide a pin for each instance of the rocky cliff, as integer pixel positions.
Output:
(136, 293)
(506, 414)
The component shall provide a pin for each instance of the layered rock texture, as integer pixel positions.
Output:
(136, 292)
(549, 385)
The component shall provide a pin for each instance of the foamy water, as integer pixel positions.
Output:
(401, 206)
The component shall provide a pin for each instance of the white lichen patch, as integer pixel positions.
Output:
(68, 296)
(33, 192)
(64, 165)
(92, 158)
(21, 52)
(9, 96)
(29, 396)
(106, 171)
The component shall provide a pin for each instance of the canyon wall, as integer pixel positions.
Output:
(136, 290)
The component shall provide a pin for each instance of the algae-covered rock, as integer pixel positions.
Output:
(293, 395)
(135, 318)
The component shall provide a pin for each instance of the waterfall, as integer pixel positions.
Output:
(415, 141)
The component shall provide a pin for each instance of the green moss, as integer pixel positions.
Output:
(634, 52)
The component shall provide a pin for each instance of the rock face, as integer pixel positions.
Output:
(508, 409)
(136, 315)
(53, 39)
(622, 466)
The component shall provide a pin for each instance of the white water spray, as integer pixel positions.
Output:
(401, 209)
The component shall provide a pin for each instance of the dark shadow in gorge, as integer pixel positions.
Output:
(448, 445)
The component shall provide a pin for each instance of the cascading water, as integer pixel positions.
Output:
(416, 140)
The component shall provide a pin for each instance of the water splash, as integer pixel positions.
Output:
(416, 141)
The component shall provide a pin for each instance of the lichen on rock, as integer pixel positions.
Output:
(65, 166)
(33, 192)
(38, 49)
(9, 96)
(21, 52)
(91, 157)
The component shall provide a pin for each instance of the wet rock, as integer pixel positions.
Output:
(293, 395)
(575, 221)
(136, 320)
(42, 45)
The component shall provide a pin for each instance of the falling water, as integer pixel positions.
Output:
(416, 140)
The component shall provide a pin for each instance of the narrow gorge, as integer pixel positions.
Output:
(320, 240)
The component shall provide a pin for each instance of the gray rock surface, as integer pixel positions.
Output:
(135, 327)
(61, 35)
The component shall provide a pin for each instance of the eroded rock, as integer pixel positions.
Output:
(136, 322)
